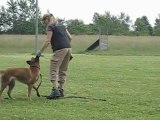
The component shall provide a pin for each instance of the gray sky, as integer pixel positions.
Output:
(84, 9)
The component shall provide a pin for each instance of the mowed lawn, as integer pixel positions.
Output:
(103, 88)
(120, 83)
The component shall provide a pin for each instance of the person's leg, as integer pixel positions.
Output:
(62, 71)
(56, 61)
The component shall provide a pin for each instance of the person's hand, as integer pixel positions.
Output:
(38, 54)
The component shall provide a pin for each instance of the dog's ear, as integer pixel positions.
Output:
(28, 62)
(37, 58)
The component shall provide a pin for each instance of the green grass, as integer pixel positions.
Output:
(129, 84)
(126, 75)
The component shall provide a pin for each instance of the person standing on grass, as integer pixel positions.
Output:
(59, 38)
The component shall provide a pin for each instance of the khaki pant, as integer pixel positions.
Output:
(59, 64)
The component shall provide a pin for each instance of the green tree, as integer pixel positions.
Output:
(103, 22)
(157, 26)
(111, 24)
(20, 16)
(76, 26)
(12, 12)
(5, 23)
(124, 25)
(143, 27)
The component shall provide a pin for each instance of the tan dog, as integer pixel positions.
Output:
(27, 76)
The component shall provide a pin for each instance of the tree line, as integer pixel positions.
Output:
(19, 18)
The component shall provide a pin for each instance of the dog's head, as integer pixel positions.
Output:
(33, 61)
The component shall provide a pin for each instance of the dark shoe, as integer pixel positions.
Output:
(61, 92)
(54, 94)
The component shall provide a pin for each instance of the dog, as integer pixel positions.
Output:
(28, 76)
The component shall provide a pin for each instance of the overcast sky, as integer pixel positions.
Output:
(85, 9)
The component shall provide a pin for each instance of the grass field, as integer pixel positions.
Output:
(117, 45)
(122, 85)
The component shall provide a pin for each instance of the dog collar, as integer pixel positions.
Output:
(35, 66)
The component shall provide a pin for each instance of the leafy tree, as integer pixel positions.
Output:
(76, 26)
(111, 24)
(142, 26)
(157, 26)
(103, 22)
(4, 22)
(91, 29)
(12, 14)
(124, 25)
(20, 16)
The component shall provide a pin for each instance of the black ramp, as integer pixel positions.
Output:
(93, 46)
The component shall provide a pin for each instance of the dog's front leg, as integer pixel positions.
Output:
(30, 86)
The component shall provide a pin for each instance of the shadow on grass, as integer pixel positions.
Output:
(67, 97)
(85, 98)
(78, 97)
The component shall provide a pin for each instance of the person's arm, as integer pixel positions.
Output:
(46, 43)
(70, 38)
(69, 35)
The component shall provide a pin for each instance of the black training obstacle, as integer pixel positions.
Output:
(94, 45)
